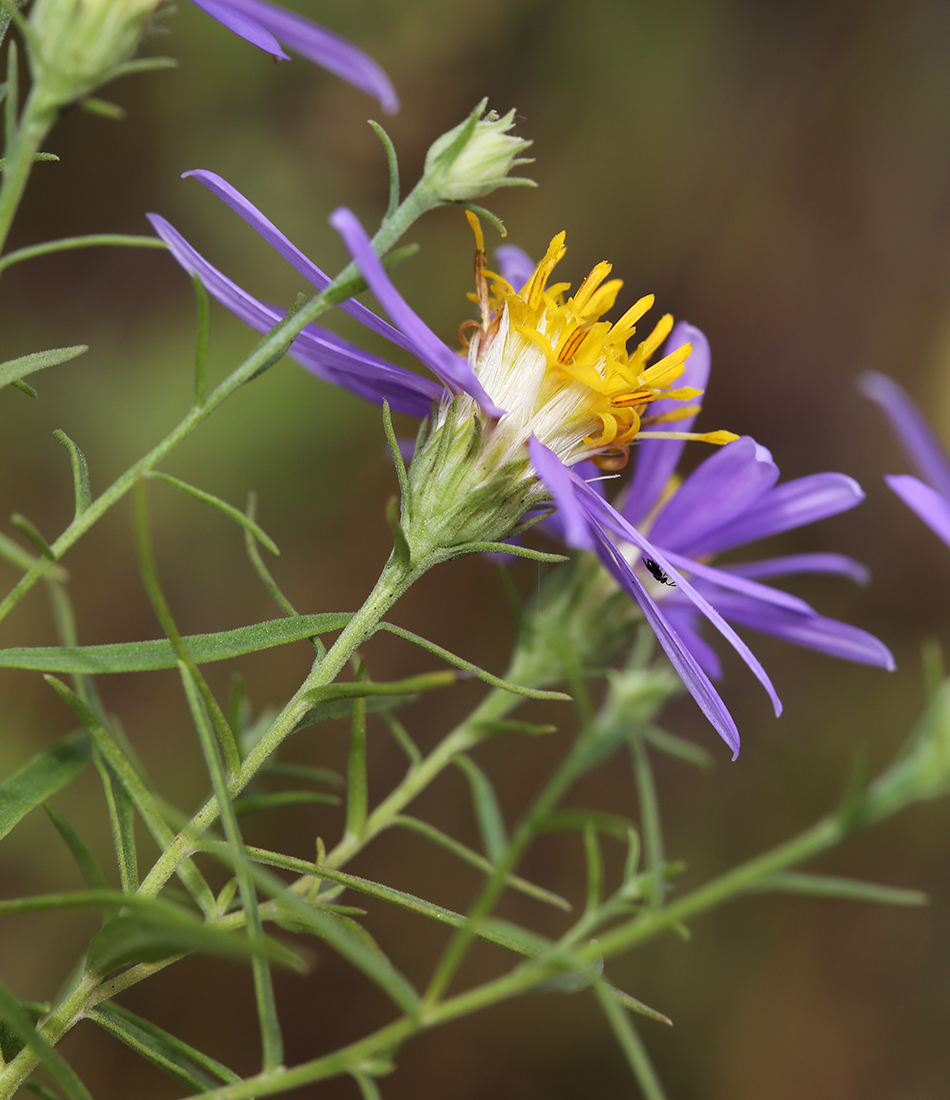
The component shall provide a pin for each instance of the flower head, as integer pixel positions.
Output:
(545, 384)
(929, 498)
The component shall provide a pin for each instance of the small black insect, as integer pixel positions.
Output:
(657, 573)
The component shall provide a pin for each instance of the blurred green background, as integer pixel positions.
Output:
(777, 174)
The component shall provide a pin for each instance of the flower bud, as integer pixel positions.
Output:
(76, 45)
(475, 157)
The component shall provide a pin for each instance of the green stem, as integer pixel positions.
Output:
(343, 286)
(65, 244)
(35, 123)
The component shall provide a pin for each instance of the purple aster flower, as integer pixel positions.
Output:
(929, 498)
(548, 385)
(267, 26)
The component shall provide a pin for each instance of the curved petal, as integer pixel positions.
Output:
(560, 483)
(718, 491)
(515, 266)
(811, 631)
(920, 444)
(735, 582)
(657, 459)
(924, 502)
(291, 253)
(328, 355)
(605, 516)
(248, 29)
(452, 372)
(317, 44)
(837, 564)
(683, 619)
(687, 667)
(794, 504)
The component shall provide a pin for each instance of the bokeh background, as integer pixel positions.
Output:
(777, 174)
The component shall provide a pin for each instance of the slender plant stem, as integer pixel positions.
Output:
(276, 343)
(34, 124)
(65, 244)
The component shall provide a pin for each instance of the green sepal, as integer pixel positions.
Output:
(401, 550)
(393, 165)
(13, 369)
(80, 472)
(41, 777)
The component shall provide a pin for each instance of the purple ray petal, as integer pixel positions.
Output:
(316, 43)
(560, 483)
(803, 563)
(326, 354)
(794, 504)
(453, 372)
(737, 583)
(266, 228)
(657, 458)
(248, 29)
(920, 444)
(924, 502)
(603, 514)
(687, 667)
(515, 266)
(683, 619)
(717, 492)
(811, 631)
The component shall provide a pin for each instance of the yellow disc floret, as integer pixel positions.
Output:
(589, 378)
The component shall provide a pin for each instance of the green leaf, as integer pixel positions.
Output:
(158, 654)
(576, 821)
(20, 1020)
(630, 1043)
(14, 369)
(10, 1042)
(122, 822)
(25, 527)
(679, 747)
(201, 343)
(160, 935)
(103, 107)
(41, 1090)
(491, 824)
(393, 168)
(80, 472)
(253, 804)
(179, 1060)
(228, 509)
(356, 785)
(303, 772)
(19, 558)
(468, 666)
(833, 886)
(41, 777)
(477, 860)
(343, 708)
(83, 857)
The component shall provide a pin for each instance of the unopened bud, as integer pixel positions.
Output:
(475, 157)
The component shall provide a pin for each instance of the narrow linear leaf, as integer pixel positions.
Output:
(95, 106)
(254, 804)
(491, 824)
(303, 772)
(84, 858)
(80, 472)
(158, 654)
(401, 736)
(41, 1090)
(201, 341)
(630, 1043)
(41, 777)
(122, 823)
(393, 165)
(832, 886)
(477, 860)
(190, 1067)
(679, 747)
(65, 244)
(20, 559)
(25, 527)
(25, 387)
(515, 550)
(20, 1022)
(356, 783)
(330, 928)
(151, 938)
(14, 369)
(10, 1043)
(639, 1007)
(141, 796)
(576, 821)
(512, 726)
(595, 868)
(343, 708)
(222, 506)
(460, 662)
